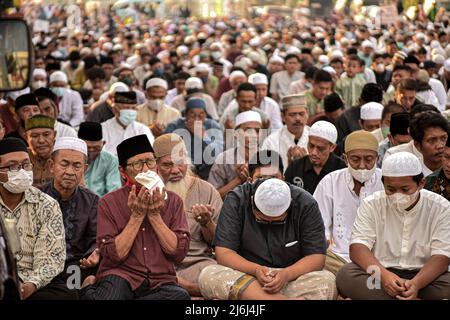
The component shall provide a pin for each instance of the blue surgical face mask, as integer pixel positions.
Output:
(159, 72)
(59, 91)
(127, 116)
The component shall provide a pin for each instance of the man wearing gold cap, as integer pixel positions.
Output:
(202, 204)
(340, 192)
(41, 135)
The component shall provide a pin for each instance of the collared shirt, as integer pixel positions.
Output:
(350, 88)
(301, 172)
(63, 130)
(438, 183)
(272, 245)
(281, 140)
(224, 168)
(41, 170)
(269, 106)
(409, 147)
(71, 108)
(102, 175)
(314, 105)
(179, 103)
(404, 239)
(146, 259)
(164, 116)
(114, 133)
(40, 226)
(281, 81)
(80, 221)
(338, 204)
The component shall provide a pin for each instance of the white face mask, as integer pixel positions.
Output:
(362, 175)
(38, 84)
(216, 55)
(380, 68)
(127, 116)
(402, 201)
(156, 104)
(19, 181)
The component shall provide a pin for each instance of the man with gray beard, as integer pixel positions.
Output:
(202, 204)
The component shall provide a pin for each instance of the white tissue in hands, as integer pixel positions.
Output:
(150, 180)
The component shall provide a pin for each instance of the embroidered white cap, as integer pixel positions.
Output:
(325, 130)
(273, 197)
(371, 111)
(247, 116)
(401, 164)
(258, 78)
(70, 143)
(156, 82)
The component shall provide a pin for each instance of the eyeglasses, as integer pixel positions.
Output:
(139, 165)
(17, 166)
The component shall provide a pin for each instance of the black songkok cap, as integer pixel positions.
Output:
(90, 131)
(28, 99)
(132, 147)
(12, 144)
(128, 97)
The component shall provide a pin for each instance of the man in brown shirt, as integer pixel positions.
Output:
(141, 235)
(40, 133)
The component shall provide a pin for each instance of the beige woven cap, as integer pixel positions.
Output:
(165, 144)
(294, 101)
(361, 140)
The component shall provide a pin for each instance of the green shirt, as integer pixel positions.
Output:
(314, 105)
(102, 175)
(350, 89)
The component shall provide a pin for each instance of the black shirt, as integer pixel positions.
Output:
(271, 245)
(301, 172)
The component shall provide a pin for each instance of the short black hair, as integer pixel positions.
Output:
(352, 51)
(245, 87)
(96, 73)
(263, 158)
(392, 107)
(408, 85)
(292, 55)
(154, 61)
(182, 76)
(322, 76)
(426, 120)
(400, 67)
(354, 57)
(310, 72)
(411, 59)
(372, 92)
(421, 108)
(337, 60)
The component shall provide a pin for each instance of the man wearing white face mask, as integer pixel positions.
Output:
(39, 79)
(340, 192)
(70, 102)
(403, 234)
(124, 124)
(155, 113)
(42, 249)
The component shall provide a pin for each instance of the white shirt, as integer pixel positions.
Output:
(404, 239)
(409, 147)
(338, 204)
(171, 94)
(114, 133)
(71, 108)
(428, 97)
(439, 90)
(63, 130)
(281, 81)
(269, 106)
(281, 140)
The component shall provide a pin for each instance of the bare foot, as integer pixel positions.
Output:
(88, 281)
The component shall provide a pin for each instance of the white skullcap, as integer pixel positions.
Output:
(57, 54)
(447, 65)
(221, 25)
(371, 111)
(216, 45)
(254, 56)
(258, 78)
(434, 44)
(437, 51)
(118, 87)
(116, 40)
(293, 50)
(58, 76)
(70, 143)
(107, 46)
(255, 42)
(139, 46)
(182, 50)
(243, 63)
(323, 59)
(325, 130)
(117, 47)
(247, 116)
(133, 61)
(273, 197)
(39, 72)
(156, 82)
(85, 51)
(421, 36)
(337, 54)
(13, 95)
(329, 69)
(194, 83)
(344, 41)
(438, 59)
(202, 67)
(276, 58)
(150, 180)
(237, 74)
(367, 44)
(401, 164)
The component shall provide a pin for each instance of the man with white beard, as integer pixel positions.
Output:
(202, 204)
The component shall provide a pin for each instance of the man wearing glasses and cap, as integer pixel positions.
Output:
(142, 233)
(270, 244)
